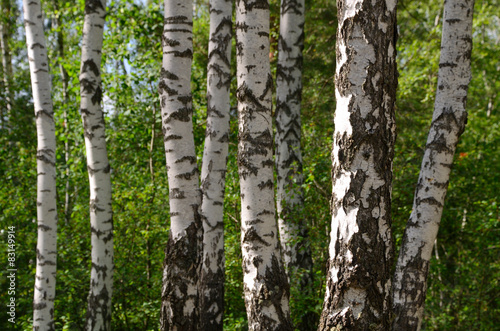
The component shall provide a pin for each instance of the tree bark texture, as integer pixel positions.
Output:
(5, 32)
(65, 80)
(290, 196)
(265, 283)
(214, 167)
(101, 215)
(179, 310)
(46, 251)
(448, 123)
(358, 282)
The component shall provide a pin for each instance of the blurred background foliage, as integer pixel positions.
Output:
(463, 289)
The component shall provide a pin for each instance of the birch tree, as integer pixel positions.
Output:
(46, 250)
(265, 283)
(448, 123)
(213, 170)
(101, 215)
(179, 310)
(358, 281)
(5, 32)
(65, 80)
(290, 197)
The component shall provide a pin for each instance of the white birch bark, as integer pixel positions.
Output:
(179, 309)
(5, 31)
(448, 123)
(290, 196)
(358, 282)
(265, 283)
(45, 279)
(101, 215)
(213, 172)
(64, 79)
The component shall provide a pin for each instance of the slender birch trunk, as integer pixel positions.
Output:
(214, 167)
(290, 196)
(358, 282)
(64, 79)
(46, 251)
(265, 283)
(101, 215)
(179, 310)
(448, 123)
(5, 32)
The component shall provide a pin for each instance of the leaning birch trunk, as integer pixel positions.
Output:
(265, 283)
(448, 123)
(358, 282)
(213, 172)
(290, 196)
(101, 216)
(179, 309)
(45, 279)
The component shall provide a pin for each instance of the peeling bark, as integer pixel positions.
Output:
(358, 283)
(213, 173)
(101, 215)
(46, 251)
(265, 283)
(448, 123)
(290, 196)
(179, 310)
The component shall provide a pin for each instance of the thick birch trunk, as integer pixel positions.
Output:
(358, 285)
(45, 280)
(448, 123)
(179, 310)
(290, 196)
(265, 282)
(213, 171)
(101, 215)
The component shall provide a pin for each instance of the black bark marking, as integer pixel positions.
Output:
(90, 65)
(93, 6)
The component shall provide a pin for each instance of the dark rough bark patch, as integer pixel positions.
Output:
(182, 263)
(275, 287)
(97, 304)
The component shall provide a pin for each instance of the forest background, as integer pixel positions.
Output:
(465, 269)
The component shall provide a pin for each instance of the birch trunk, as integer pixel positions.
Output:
(358, 282)
(265, 283)
(290, 196)
(101, 215)
(64, 79)
(46, 251)
(213, 172)
(5, 32)
(448, 123)
(179, 310)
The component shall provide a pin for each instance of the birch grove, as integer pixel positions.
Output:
(289, 177)
(179, 310)
(213, 172)
(265, 283)
(46, 249)
(448, 123)
(101, 215)
(359, 281)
